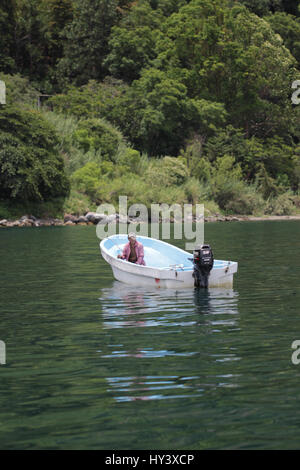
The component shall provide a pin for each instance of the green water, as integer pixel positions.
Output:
(93, 364)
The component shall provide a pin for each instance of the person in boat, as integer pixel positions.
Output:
(133, 251)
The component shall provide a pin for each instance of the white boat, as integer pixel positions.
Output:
(166, 265)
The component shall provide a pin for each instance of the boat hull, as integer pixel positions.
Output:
(186, 280)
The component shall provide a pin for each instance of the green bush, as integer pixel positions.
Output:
(248, 201)
(211, 208)
(196, 191)
(30, 167)
(78, 203)
(98, 135)
(281, 205)
(132, 186)
(167, 171)
(13, 209)
(226, 181)
(128, 161)
(169, 195)
(86, 179)
(20, 91)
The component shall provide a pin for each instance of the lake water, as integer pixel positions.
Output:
(93, 364)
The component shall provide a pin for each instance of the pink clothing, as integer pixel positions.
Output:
(139, 249)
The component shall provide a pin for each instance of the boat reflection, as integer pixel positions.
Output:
(124, 306)
(148, 388)
(179, 339)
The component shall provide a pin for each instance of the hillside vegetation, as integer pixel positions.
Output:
(165, 101)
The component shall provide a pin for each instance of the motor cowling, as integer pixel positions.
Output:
(203, 260)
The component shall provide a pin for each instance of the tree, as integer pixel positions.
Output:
(264, 7)
(30, 167)
(132, 42)
(288, 27)
(86, 41)
(131, 51)
(98, 136)
(7, 28)
(30, 41)
(251, 154)
(231, 56)
(56, 15)
(157, 115)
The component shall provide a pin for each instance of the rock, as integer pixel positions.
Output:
(3, 222)
(82, 220)
(94, 217)
(69, 222)
(70, 217)
(27, 223)
(28, 220)
(15, 223)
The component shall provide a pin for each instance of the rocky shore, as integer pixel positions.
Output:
(93, 218)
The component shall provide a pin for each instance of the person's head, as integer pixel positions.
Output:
(132, 238)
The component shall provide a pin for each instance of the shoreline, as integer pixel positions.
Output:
(92, 218)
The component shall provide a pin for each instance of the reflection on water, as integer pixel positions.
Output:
(159, 387)
(94, 364)
(146, 326)
(124, 306)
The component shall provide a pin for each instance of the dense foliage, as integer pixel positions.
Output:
(162, 100)
(30, 167)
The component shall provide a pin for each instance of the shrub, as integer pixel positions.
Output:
(13, 209)
(168, 171)
(31, 169)
(134, 187)
(196, 191)
(168, 195)
(246, 202)
(78, 203)
(281, 205)
(86, 179)
(211, 208)
(19, 90)
(128, 160)
(226, 181)
(98, 135)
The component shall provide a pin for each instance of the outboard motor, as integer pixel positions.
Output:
(203, 260)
